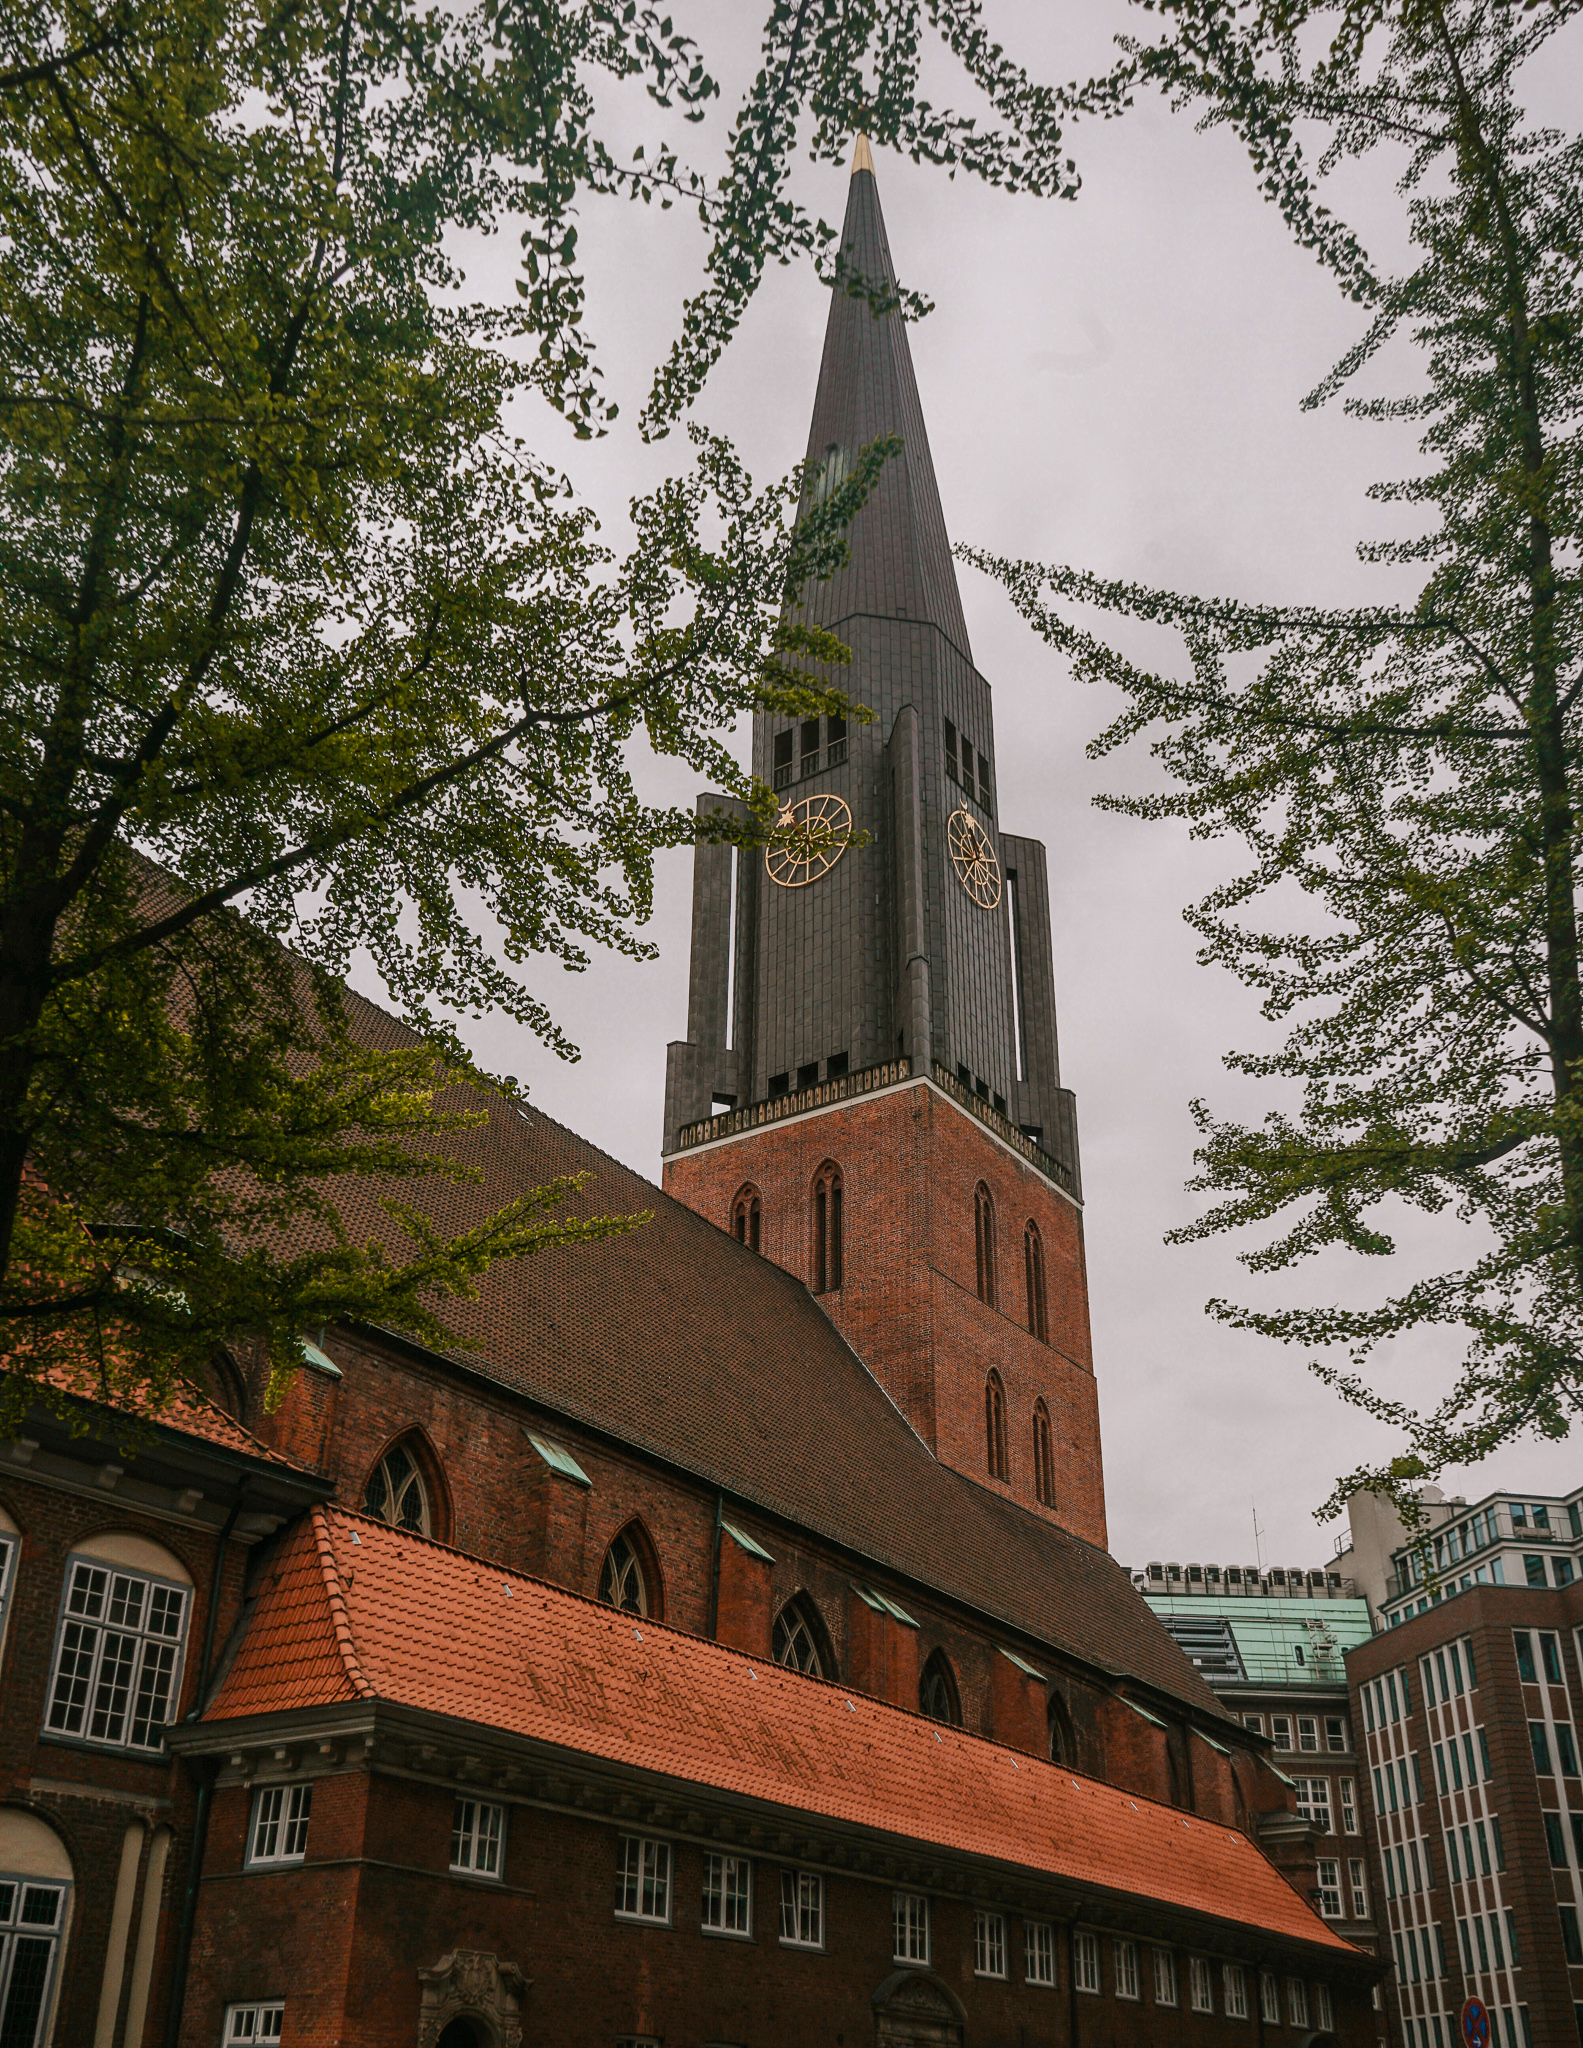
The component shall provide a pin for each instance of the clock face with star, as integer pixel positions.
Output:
(973, 857)
(810, 837)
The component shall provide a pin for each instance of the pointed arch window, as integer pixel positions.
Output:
(630, 1579)
(995, 1427)
(828, 1229)
(1043, 1456)
(1062, 1748)
(395, 1492)
(938, 1696)
(984, 1241)
(746, 1218)
(1033, 1261)
(800, 1641)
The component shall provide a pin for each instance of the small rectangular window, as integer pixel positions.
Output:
(1085, 1961)
(1534, 1571)
(1525, 1656)
(950, 751)
(1550, 1655)
(258, 2022)
(1235, 1978)
(1313, 1801)
(1327, 2013)
(810, 746)
(477, 1831)
(1039, 1951)
(1358, 1885)
(802, 1909)
(1255, 1722)
(983, 782)
(1125, 1956)
(989, 1944)
(1269, 1999)
(1201, 1993)
(1338, 1736)
(1539, 1743)
(910, 1917)
(783, 758)
(1565, 1751)
(1297, 2001)
(1554, 1840)
(835, 733)
(280, 1823)
(1307, 1732)
(728, 1895)
(643, 1880)
(1329, 1887)
(1281, 1730)
(1164, 1976)
(1347, 1787)
(1569, 1934)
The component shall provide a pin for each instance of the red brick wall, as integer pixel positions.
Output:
(346, 1942)
(910, 1161)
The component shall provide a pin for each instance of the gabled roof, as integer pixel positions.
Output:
(686, 1345)
(355, 1610)
(900, 564)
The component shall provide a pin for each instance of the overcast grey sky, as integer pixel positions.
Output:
(1113, 383)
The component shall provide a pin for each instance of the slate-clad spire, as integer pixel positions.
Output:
(901, 560)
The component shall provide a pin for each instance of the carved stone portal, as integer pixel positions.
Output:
(470, 1985)
(914, 2009)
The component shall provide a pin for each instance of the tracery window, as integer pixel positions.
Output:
(1043, 1456)
(938, 1697)
(395, 1492)
(984, 1242)
(797, 1641)
(995, 1427)
(1033, 1262)
(625, 1581)
(746, 1217)
(827, 1229)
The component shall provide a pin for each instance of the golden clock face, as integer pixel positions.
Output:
(810, 837)
(973, 857)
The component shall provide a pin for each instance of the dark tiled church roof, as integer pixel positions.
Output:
(678, 1340)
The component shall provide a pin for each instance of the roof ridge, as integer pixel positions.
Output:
(335, 1594)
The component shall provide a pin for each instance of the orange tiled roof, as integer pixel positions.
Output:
(186, 1410)
(357, 1610)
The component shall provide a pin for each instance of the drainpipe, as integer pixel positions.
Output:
(209, 1768)
(1071, 1979)
(714, 1568)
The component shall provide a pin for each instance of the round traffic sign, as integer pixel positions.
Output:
(1476, 2024)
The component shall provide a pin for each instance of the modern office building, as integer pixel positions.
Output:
(1502, 1540)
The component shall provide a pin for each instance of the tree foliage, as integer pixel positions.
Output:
(1413, 771)
(294, 622)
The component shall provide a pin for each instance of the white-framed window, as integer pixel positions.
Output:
(643, 1880)
(478, 1833)
(261, 2021)
(1281, 1730)
(728, 1895)
(1297, 2001)
(1164, 1976)
(1038, 1951)
(1269, 1999)
(1358, 1885)
(1201, 1984)
(117, 1656)
(8, 1549)
(1313, 1802)
(989, 1944)
(910, 1912)
(1349, 1805)
(32, 1920)
(1085, 1961)
(1235, 1981)
(280, 1823)
(1125, 1956)
(1307, 1731)
(1329, 1870)
(1327, 2013)
(802, 1909)
(1255, 1722)
(1338, 1736)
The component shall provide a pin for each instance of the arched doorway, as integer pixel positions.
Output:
(915, 2009)
(463, 2033)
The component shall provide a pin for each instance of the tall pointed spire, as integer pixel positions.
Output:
(901, 564)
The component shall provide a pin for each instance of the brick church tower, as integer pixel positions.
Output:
(869, 1091)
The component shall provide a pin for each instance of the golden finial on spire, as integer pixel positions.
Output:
(861, 160)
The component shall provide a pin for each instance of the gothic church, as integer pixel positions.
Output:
(718, 1645)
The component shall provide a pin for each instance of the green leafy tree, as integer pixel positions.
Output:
(1412, 771)
(299, 644)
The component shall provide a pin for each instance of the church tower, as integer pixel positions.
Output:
(869, 1092)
